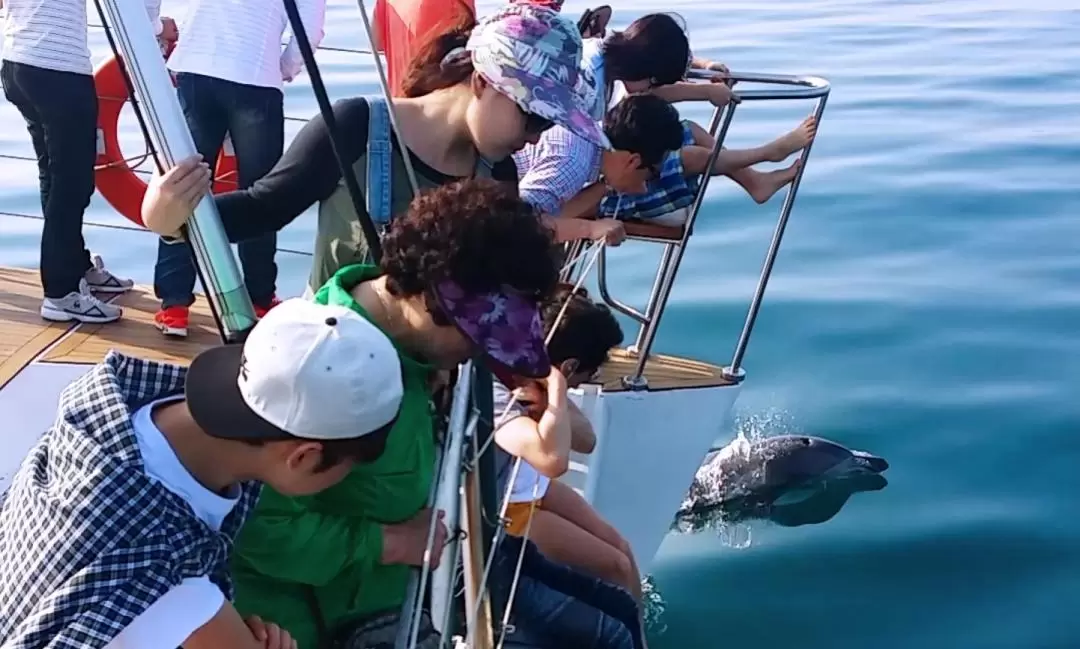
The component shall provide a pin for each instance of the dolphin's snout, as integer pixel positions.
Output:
(872, 462)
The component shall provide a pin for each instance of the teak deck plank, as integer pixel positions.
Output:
(661, 372)
(136, 335)
(24, 335)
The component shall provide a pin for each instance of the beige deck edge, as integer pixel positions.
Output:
(25, 337)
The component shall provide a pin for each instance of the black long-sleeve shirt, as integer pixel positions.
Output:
(308, 173)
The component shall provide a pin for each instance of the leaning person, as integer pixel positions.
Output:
(652, 55)
(541, 427)
(117, 529)
(565, 176)
(463, 274)
(474, 96)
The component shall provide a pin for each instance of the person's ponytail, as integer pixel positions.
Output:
(441, 61)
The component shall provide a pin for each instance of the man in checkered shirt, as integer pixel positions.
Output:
(565, 176)
(117, 528)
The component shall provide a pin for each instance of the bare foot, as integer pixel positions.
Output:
(766, 184)
(783, 146)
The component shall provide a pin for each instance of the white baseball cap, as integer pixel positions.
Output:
(307, 371)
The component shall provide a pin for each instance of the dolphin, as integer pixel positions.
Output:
(789, 479)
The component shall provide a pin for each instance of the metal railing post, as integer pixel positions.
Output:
(637, 381)
(172, 141)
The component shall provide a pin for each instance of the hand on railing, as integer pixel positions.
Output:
(169, 33)
(610, 231)
(720, 92)
(406, 543)
(171, 197)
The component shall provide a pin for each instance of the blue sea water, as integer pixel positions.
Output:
(925, 307)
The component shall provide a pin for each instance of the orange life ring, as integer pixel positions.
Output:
(114, 177)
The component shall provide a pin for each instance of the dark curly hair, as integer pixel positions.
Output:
(646, 125)
(477, 233)
(587, 332)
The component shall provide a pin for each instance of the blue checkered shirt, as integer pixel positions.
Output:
(556, 168)
(88, 541)
(669, 191)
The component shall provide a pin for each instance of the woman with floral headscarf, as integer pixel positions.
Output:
(474, 96)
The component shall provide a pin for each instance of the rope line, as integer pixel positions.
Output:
(130, 228)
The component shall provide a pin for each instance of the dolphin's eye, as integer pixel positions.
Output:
(806, 441)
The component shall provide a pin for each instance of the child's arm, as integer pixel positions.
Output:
(584, 203)
(570, 225)
(582, 437)
(543, 441)
(228, 629)
(717, 94)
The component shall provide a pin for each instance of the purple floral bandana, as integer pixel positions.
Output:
(532, 55)
(505, 326)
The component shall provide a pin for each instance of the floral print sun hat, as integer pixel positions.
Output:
(532, 55)
(505, 326)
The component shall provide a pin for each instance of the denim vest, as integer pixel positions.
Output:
(381, 173)
(379, 163)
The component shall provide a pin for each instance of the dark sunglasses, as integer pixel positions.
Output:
(534, 123)
(654, 170)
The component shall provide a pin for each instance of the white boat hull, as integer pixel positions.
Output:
(649, 446)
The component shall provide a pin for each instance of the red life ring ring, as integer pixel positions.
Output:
(114, 177)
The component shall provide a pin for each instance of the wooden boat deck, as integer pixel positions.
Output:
(26, 338)
(23, 334)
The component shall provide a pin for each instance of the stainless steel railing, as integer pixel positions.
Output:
(782, 87)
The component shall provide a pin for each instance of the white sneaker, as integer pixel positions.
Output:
(79, 305)
(101, 280)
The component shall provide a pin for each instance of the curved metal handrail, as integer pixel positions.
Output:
(796, 86)
(786, 87)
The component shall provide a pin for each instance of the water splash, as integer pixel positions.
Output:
(737, 536)
(733, 533)
(765, 423)
(654, 605)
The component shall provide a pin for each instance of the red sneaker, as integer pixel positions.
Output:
(260, 311)
(173, 321)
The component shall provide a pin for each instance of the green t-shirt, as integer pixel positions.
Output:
(313, 562)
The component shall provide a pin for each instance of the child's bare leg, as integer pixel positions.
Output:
(731, 160)
(565, 542)
(762, 185)
(568, 504)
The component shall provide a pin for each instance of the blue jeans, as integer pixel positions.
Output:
(254, 118)
(556, 606)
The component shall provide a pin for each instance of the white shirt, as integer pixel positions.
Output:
(529, 484)
(240, 40)
(51, 34)
(185, 608)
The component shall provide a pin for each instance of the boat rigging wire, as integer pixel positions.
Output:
(371, 233)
